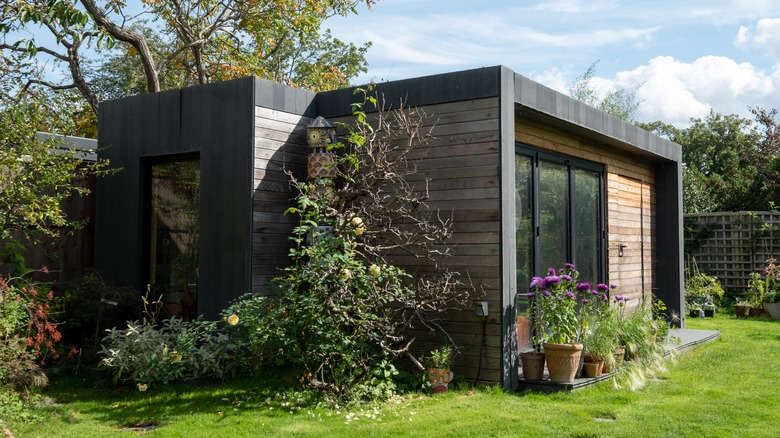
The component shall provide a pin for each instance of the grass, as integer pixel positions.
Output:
(725, 388)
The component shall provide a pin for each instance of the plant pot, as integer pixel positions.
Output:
(709, 313)
(440, 379)
(773, 309)
(619, 354)
(563, 361)
(742, 311)
(758, 311)
(697, 313)
(533, 365)
(592, 369)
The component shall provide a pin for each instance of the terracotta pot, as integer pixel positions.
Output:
(440, 379)
(757, 311)
(619, 353)
(592, 369)
(563, 361)
(533, 365)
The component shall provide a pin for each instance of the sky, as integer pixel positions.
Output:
(687, 57)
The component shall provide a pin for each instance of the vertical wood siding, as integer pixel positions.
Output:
(630, 206)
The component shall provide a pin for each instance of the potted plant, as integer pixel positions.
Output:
(532, 362)
(695, 310)
(557, 304)
(771, 289)
(701, 288)
(742, 308)
(600, 341)
(439, 373)
(772, 303)
(709, 310)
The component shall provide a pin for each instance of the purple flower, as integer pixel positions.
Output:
(604, 297)
(618, 297)
(595, 292)
(583, 286)
(552, 279)
(567, 277)
(625, 299)
(535, 282)
(585, 301)
(602, 286)
(552, 271)
(612, 286)
(570, 266)
(571, 295)
(530, 295)
(547, 293)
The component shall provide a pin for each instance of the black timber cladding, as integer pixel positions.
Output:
(214, 121)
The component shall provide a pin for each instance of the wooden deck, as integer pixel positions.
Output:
(689, 339)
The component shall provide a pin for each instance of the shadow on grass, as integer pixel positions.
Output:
(97, 398)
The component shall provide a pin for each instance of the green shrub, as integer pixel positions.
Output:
(147, 355)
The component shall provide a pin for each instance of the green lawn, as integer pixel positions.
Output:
(725, 388)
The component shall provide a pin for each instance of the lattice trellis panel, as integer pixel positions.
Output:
(731, 245)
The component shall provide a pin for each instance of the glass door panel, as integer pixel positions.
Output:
(174, 231)
(524, 241)
(553, 237)
(587, 226)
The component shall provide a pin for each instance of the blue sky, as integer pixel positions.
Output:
(687, 56)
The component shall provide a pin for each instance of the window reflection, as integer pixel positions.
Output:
(174, 235)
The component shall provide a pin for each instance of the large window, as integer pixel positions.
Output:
(173, 233)
(559, 215)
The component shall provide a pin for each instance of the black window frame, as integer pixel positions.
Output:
(572, 164)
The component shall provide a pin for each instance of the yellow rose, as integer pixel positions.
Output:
(374, 270)
(142, 387)
(359, 230)
(345, 274)
(232, 319)
(357, 222)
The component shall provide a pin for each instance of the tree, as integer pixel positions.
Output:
(766, 156)
(178, 43)
(36, 175)
(620, 103)
(720, 172)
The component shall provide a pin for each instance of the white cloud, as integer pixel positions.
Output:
(674, 91)
(765, 34)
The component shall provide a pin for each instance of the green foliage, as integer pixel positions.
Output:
(700, 287)
(620, 103)
(441, 357)
(557, 306)
(339, 314)
(764, 286)
(149, 355)
(37, 175)
(331, 316)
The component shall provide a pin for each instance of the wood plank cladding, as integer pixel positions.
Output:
(460, 171)
(279, 145)
(630, 208)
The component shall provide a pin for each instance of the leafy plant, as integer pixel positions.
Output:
(700, 287)
(442, 357)
(147, 355)
(28, 332)
(339, 314)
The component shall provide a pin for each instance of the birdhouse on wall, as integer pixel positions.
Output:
(319, 135)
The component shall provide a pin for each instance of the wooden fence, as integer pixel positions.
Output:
(731, 245)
